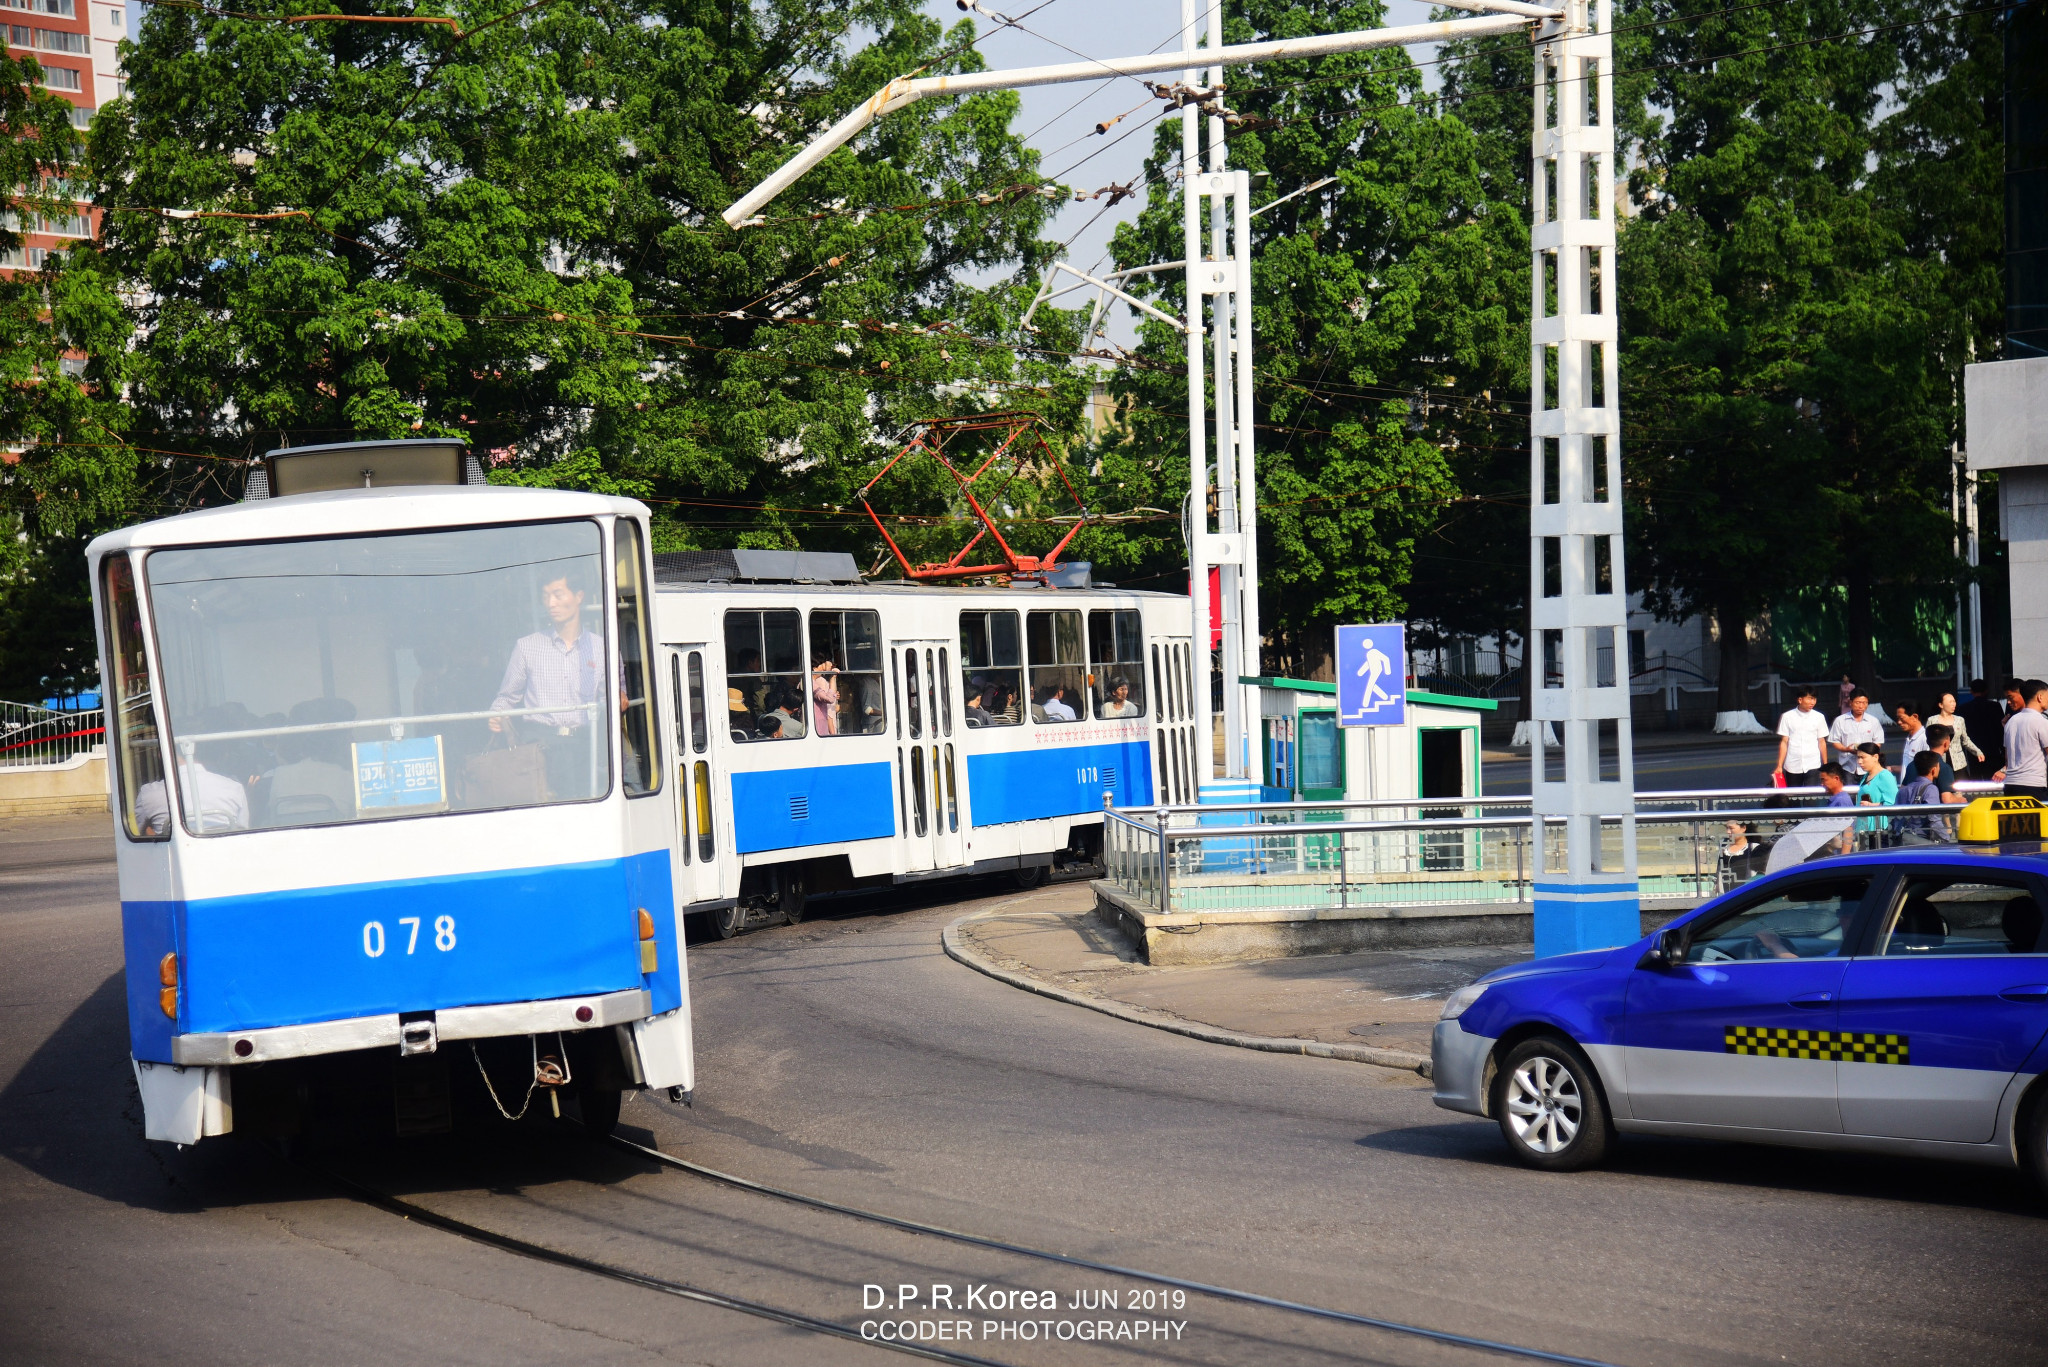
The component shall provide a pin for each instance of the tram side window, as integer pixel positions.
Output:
(765, 697)
(1116, 658)
(131, 718)
(991, 668)
(846, 674)
(639, 741)
(1058, 672)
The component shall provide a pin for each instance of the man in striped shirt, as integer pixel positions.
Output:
(559, 668)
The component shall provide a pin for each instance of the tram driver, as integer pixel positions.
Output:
(563, 667)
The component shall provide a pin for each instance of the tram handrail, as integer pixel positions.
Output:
(311, 727)
(1518, 799)
(1181, 834)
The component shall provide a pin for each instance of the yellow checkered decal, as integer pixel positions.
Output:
(1843, 1046)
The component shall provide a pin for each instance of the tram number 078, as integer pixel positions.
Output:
(444, 935)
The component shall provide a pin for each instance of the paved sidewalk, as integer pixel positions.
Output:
(1374, 1006)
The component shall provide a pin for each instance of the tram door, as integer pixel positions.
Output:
(931, 775)
(701, 830)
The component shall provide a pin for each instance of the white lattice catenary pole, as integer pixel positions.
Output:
(1586, 893)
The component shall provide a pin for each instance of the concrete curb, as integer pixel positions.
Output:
(959, 952)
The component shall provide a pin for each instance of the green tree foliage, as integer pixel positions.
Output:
(1382, 307)
(1794, 314)
(62, 332)
(507, 228)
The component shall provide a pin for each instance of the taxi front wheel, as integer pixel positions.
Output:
(1549, 1106)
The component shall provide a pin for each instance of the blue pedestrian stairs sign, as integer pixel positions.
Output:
(1372, 673)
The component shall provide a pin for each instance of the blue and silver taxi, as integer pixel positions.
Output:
(1890, 1002)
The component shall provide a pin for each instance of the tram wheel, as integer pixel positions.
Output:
(793, 900)
(729, 921)
(1029, 876)
(600, 1110)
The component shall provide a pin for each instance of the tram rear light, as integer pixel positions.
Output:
(168, 1000)
(584, 1013)
(167, 970)
(646, 925)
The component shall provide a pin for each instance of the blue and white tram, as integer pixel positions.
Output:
(837, 734)
(392, 798)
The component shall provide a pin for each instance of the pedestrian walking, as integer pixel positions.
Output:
(1964, 754)
(1853, 728)
(2026, 745)
(1802, 743)
(1908, 717)
(1939, 743)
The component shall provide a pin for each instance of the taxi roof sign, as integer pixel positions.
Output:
(1989, 819)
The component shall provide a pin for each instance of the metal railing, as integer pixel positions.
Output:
(43, 735)
(1178, 862)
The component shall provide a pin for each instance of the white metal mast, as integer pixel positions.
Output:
(1586, 892)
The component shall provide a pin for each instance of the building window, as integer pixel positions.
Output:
(62, 40)
(61, 78)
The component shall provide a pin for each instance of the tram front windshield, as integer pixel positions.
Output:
(310, 683)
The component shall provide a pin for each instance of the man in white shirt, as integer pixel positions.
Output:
(212, 803)
(1908, 717)
(1055, 706)
(1853, 728)
(1802, 743)
(2026, 746)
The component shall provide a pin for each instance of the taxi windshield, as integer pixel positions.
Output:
(357, 678)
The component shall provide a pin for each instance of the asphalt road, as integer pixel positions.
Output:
(849, 1058)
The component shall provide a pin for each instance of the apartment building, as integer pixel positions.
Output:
(78, 44)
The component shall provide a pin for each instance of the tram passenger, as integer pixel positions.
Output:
(977, 702)
(1052, 704)
(315, 782)
(824, 695)
(559, 668)
(213, 801)
(1118, 703)
(788, 714)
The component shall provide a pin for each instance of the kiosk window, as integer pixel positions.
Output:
(765, 697)
(991, 668)
(1058, 673)
(846, 674)
(1116, 655)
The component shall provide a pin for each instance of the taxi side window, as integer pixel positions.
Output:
(1805, 921)
(1961, 915)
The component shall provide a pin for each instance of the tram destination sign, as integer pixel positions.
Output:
(1372, 673)
(404, 774)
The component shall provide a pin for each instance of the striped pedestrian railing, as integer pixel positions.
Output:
(32, 735)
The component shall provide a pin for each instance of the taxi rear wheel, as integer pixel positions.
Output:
(2034, 1139)
(1549, 1105)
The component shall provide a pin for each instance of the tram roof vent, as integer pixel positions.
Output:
(756, 567)
(362, 465)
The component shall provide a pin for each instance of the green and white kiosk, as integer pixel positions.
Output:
(1306, 757)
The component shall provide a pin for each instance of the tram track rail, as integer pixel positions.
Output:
(795, 1319)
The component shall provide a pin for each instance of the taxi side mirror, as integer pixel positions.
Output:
(1668, 950)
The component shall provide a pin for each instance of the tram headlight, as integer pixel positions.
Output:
(167, 974)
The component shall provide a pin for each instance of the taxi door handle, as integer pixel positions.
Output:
(1813, 1000)
(2032, 992)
